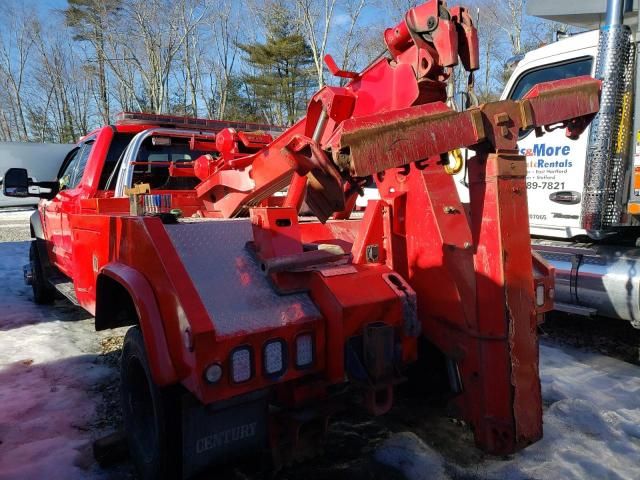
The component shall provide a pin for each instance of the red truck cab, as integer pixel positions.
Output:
(83, 176)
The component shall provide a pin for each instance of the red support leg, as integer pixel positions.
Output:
(506, 321)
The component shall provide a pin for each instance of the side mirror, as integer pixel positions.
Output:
(16, 183)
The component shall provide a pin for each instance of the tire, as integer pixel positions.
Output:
(43, 292)
(151, 415)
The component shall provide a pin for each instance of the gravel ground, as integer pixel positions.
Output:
(14, 224)
(614, 338)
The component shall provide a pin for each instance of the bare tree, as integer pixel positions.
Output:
(16, 43)
(191, 79)
(400, 7)
(227, 34)
(316, 17)
(506, 16)
(488, 37)
(52, 75)
(184, 56)
(354, 38)
(149, 40)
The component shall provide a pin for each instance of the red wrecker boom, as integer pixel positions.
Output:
(463, 277)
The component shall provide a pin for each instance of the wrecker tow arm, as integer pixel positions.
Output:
(467, 270)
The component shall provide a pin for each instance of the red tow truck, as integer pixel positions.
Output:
(250, 324)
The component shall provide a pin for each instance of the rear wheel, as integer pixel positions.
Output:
(43, 292)
(151, 415)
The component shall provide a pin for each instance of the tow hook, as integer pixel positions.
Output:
(28, 274)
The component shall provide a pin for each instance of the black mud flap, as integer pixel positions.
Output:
(219, 434)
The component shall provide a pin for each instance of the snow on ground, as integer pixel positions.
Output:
(48, 379)
(591, 427)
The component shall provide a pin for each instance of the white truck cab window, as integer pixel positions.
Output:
(558, 71)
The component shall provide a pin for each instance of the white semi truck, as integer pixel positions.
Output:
(584, 195)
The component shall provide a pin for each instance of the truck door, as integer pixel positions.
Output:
(51, 209)
(69, 203)
(555, 164)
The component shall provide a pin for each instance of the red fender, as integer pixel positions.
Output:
(162, 369)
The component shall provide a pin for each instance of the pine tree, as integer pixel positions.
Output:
(282, 67)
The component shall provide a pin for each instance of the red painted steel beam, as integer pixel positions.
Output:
(507, 409)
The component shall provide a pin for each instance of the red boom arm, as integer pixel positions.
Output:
(468, 272)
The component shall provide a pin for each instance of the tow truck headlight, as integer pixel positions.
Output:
(241, 364)
(304, 350)
(213, 373)
(274, 357)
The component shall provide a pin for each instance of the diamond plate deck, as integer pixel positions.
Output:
(236, 294)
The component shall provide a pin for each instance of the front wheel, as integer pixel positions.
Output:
(43, 292)
(151, 415)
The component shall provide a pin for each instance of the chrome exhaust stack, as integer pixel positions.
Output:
(609, 138)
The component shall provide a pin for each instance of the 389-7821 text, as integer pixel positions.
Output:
(545, 185)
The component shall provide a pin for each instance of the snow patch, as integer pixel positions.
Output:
(48, 371)
(410, 455)
(591, 427)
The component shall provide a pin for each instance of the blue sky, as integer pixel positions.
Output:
(43, 7)
(52, 3)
